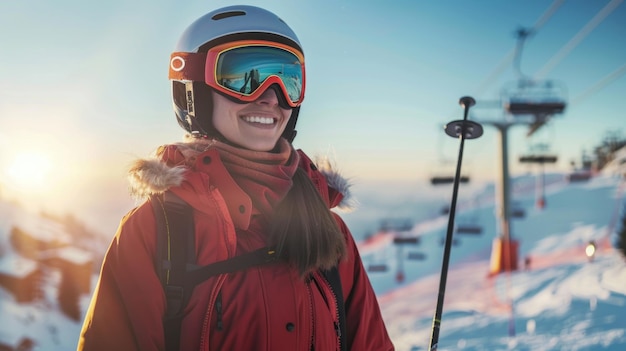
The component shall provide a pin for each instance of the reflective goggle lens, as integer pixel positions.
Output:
(244, 69)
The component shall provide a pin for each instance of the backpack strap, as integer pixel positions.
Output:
(175, 260)
(175, 263)
(175, 239)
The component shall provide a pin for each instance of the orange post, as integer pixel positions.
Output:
(503, 256)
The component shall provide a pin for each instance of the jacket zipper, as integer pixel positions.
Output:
(204, 339)
(312, 313)
(335, 300)
(218, 310)
(336, 322)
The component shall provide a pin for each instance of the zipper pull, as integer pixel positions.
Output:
(218, 308)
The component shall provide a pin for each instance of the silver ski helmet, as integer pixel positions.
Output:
(191, 92)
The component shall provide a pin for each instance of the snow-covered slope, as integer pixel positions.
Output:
(564, 301)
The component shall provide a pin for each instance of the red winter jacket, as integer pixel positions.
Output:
(262, 308)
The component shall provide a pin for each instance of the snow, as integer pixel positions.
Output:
(69, 254)
(41, 228)
(16, 266)
(563, 301)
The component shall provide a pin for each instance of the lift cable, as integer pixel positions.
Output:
(504, 63)
(567, 48)
(600, 84)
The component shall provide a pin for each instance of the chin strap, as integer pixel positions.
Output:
(290, 131)
(291, 136)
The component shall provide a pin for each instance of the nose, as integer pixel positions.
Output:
(269, 96)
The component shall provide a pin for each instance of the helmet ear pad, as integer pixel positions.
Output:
(180, 104)
(203, 103)
(197, 117)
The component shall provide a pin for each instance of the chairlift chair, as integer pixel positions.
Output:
(445, 174)
(538, 158)
(455, 241)
(518, 213)
(415, 256)
(472, 226)
(402, 240)
(579, 176)
(541, 158)
(443, 180)
(376, 263)
(469, 228)
(377, 268)
(395, 225)
(518, 107)
(536, 98)
(445, 210)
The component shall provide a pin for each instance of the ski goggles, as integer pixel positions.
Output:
(245, 69)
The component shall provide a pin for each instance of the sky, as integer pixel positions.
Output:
(561, 301)
(84, 90)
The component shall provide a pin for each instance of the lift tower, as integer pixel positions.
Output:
(525, 102)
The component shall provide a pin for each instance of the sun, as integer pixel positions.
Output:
(29, 169)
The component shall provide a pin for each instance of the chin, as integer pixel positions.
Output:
(259, 146)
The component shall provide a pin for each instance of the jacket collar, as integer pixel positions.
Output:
(170, 168)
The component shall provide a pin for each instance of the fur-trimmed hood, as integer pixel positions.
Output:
(162, 171)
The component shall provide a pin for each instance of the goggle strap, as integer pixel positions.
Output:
(187, 66)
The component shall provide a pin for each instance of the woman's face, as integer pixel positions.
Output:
(256, 126)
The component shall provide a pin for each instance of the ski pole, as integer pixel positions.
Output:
(462, 129)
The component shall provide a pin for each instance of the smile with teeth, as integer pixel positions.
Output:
(258, 119)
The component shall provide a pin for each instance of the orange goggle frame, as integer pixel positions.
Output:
(245, 69)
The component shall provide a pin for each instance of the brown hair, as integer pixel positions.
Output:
(303, 228)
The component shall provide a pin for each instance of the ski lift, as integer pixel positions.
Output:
(446, 173)
(538, 154)
(583, 173)
(445, 210)
(402, 240)
(455, 241)
(445, 179)
(470, 227)
(415, 256)
(579, 176)
(395, 225)
(376, 263)
(540, 99)
(377, 268)
(517, 212)
(400, 276)
(540, 157)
